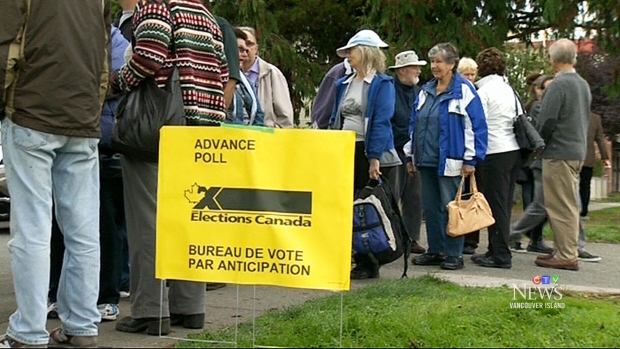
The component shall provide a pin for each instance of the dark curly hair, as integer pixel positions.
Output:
(491, 61)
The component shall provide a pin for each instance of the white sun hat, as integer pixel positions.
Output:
(364, 37)
(406, 58)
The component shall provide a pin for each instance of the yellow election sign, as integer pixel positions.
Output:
(255, 206)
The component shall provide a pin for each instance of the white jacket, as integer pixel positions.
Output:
(498, 101)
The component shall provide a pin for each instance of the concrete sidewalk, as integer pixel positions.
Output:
(231, 304)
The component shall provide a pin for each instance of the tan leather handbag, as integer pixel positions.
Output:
(470, 214)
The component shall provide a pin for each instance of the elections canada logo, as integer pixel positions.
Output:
(545, 293)
(250, 206)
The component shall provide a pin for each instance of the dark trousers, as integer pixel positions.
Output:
(585, 177)
(57, 253)
(472, 239)
(361, 166)
(527, 194)
(408, 192)
(360, 179)
(112, 235)
(499, 183)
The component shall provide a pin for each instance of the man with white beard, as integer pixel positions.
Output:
(406, 188)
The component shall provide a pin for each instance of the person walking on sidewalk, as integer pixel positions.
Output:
(531, 190)
(595, 135)
(407, 187)
(55, 73)
(563, 124)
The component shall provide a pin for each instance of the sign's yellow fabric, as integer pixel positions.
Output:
(255, 206)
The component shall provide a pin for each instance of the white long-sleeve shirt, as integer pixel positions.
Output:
(498, 101)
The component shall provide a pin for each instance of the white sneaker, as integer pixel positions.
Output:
(124, 294)
(109, 312)
(52, 310)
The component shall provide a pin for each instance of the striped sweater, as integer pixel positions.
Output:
(199, 56)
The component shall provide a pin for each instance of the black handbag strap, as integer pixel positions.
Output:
(517, 102)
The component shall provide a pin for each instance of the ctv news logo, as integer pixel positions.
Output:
(543, 293)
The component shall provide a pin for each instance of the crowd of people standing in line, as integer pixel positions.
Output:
(423, 139)
(461, 124)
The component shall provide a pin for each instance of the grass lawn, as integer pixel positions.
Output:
(603, 226)
(427, 312)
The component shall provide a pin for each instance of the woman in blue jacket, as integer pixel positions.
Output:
(365, 104)
(448, 138)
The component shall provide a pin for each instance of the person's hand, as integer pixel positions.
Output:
(467, 170)
(607, 163)
(374, 170)
(411, 169)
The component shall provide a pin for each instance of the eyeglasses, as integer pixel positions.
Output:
(243, 50)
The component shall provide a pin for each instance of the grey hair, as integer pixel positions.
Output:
(447, 51)
(563, 51)
(250, 30)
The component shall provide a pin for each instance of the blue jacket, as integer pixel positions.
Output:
(118, 46)
(378, 116)
(462, 127)
(109, 159)
(245, 98)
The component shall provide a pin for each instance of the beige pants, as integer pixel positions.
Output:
(560, 181)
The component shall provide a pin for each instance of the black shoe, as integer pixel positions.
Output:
(363, 273)
(476, 257)
(150, 325)
(469, 250)
(539, 247)
(417, 249)
(212, 286)
(193, 321)
(489, 262)
(452, 263)
(428, 259)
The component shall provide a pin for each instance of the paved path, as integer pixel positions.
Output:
(602, 277)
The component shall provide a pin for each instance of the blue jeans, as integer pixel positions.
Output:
(437, 192)
(38, 164)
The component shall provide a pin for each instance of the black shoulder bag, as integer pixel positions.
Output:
(142, 112)
(530, 142)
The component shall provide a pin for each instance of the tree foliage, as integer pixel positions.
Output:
(602, 71)
(301, 36)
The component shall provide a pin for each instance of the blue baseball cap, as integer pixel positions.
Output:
(365, 37)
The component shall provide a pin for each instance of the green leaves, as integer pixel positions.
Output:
(301, 36)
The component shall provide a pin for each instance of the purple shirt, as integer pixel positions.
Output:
(252, 74)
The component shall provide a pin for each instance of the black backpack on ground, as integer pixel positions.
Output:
(378, 229)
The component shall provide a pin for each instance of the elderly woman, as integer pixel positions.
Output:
(448, 139)
(365, 104)
(502, 157)
(468, 68)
